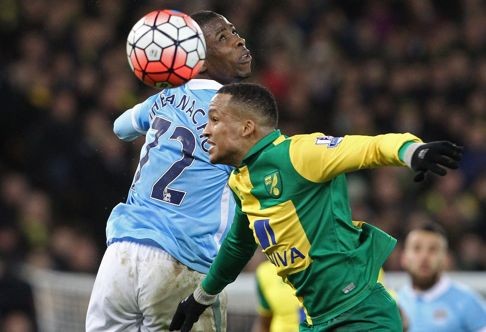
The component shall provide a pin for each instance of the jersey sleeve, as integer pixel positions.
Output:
(133, 122)
(475, 313)
(236, 250)
(320, 158)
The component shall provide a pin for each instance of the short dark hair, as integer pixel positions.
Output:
(258, 98)
(432, 227)
(203, 17)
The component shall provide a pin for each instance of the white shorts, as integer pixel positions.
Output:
(138, 288)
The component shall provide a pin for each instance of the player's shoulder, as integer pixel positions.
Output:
(282, 142)
(314, 139)
(458, 289)
(274, 152)
(151, 99)
(198, 84)
(306, 137)
(197, 93)
(307, 145)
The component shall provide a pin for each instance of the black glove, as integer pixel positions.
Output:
(187, 313)
(431, 156)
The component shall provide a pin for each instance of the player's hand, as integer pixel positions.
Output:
(187, 313)
(435, 157)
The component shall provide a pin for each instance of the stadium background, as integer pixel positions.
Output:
(339, 67)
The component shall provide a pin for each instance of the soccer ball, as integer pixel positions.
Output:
(166, 48)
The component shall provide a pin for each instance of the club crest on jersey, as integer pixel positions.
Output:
(330, 141)
(273, 184)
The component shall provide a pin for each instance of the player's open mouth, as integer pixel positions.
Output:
(246, 57)
(211, 144)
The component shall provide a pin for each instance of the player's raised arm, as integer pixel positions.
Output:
(130, 124)
(320, 158)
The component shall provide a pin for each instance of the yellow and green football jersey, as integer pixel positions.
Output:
(292, 200)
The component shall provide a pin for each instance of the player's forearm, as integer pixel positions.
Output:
(235, 252)
(227, 267)
(382, 150)
(125, 127)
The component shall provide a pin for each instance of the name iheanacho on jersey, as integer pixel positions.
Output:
(187, 105)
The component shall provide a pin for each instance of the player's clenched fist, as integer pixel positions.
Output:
(433, 157)
(187, 313)
(189, 310)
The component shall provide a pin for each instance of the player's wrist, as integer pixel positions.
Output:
(409, 152)
(201, 296)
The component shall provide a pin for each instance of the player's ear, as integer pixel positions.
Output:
(248, 127)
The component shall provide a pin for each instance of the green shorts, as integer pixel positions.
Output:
(377, 312)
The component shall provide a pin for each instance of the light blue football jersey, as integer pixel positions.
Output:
(178, 200)
(447, 307)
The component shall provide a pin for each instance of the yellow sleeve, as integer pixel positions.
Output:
(320, 158)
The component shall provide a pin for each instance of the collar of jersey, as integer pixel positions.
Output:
(203, 84)
(261, 144)
(435, 291)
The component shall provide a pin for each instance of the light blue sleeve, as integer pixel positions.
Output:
(475, 313)
(133, 122)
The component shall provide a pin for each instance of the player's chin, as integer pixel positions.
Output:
(212, 155)
(244, 70)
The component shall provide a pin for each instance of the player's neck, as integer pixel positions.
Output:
(424, 285)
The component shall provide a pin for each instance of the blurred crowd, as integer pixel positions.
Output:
(338, 67)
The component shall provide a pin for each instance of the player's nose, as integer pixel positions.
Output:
(240, 41)
(205, 132)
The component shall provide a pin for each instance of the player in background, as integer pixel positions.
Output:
(278, 308)
(163, 239)
(291, 199)
(433, 302)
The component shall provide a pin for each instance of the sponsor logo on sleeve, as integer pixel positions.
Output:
(330, 141)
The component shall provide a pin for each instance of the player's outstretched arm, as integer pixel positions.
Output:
(189, 310)
(134, 122)
(123, 127)
(435, 157)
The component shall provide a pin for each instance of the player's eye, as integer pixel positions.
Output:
(222, 38)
